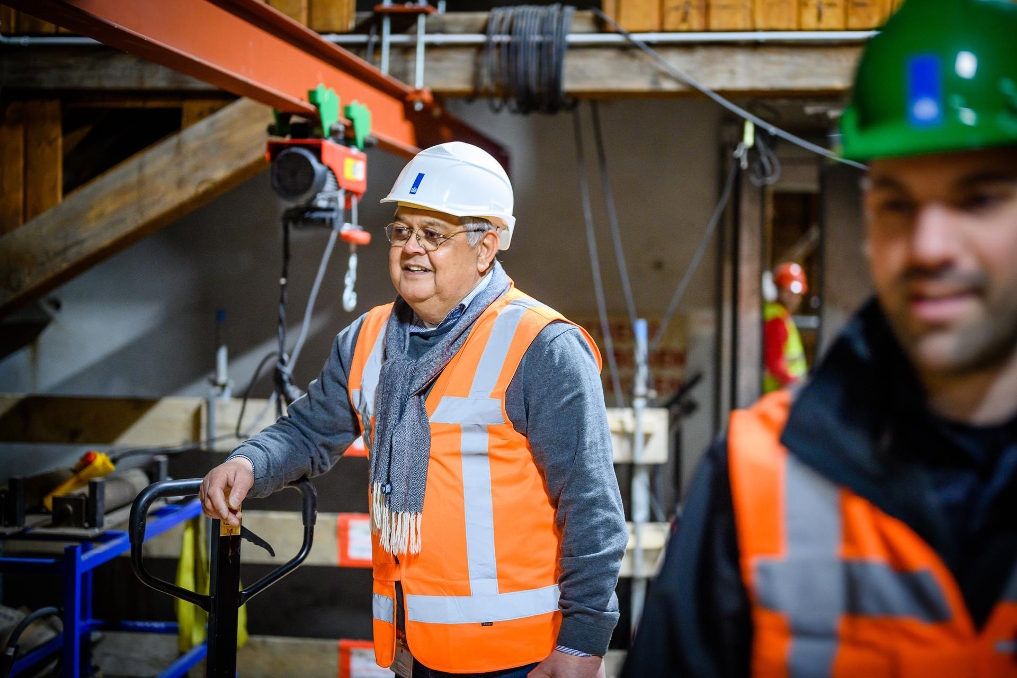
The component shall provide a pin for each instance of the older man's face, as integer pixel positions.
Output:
(433, 282)
(942, 243)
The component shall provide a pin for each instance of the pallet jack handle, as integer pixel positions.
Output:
(185, 488)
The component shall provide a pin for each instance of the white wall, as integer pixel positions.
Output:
(142, 322)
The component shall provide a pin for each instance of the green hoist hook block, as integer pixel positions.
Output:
(327, 103)
(360, 117)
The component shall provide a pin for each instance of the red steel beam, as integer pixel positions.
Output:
(249, 48)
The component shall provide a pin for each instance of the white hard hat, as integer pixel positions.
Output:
(458, 179)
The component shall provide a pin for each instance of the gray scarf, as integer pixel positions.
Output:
(402, 434)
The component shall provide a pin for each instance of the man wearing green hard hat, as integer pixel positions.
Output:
(866, 525)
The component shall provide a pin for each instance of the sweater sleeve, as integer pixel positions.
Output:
(315, 432)
(556, 400)
(696, 621)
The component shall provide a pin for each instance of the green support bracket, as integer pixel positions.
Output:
(360, 117)
(327, 103)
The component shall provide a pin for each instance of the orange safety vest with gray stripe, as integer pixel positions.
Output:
(482, 595)
(840, 588)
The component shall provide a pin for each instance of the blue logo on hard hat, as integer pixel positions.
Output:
(416, 183)
(925, 91)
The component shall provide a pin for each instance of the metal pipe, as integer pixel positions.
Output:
(640, 497)
(28, 41)
(577, 39)
(386, 39)
(418, 75)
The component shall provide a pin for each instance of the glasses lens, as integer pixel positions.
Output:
(397, 235)
(433, 239)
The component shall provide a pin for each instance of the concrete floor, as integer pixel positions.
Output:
(131, 655)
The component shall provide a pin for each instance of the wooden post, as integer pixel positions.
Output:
(823, 15)
(332, 16)
(294, 9)
(867, 14)
(12, 166)
(730, 15)
(776, 15)
(43, 156)
(684, 15)
(748, 335)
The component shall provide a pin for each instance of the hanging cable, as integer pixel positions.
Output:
(591, 243)
(309, 309)
(612, 215)
(697, 257)
(765, 170)
(522, 63)
(688, 80)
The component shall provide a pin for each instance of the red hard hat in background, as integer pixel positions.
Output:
(791, 276)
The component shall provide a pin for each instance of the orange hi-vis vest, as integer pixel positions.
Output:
(840, 588)
(482, 594)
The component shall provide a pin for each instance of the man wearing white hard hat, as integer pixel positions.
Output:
(496, 520)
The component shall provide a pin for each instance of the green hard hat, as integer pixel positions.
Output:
(940, 77)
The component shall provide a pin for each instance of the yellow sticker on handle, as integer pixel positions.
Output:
(225, 529)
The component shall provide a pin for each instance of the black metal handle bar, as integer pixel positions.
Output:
(185, 488)
(309, 512)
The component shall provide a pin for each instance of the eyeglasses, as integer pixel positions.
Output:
(428, 238)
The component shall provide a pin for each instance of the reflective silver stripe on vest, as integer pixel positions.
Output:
(814, 587)
(384, 608)
(474, 414)
(480, 609)
(363, 397)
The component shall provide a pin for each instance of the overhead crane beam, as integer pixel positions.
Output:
(249, 48)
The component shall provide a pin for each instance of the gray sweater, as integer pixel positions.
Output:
(556, 400)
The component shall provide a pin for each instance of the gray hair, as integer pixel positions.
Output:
(476, 227)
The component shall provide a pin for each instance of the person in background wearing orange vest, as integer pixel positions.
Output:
(867, 525)
(783, 353)
(496, 520)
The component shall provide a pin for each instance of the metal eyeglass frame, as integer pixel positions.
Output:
(429, 246)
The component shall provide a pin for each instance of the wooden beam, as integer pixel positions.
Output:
(29, 25)
(195, 110)
(332, 16)
(121, 422)
(132, 200)
(867, 14)
(294, 9)
(8, 20)
(601, 72)
(71, 68)
(285, 532)
(638, 16)
(12, 166)
(730, 15)
(776, 15)
(823, 15)
(737, 70)
(43, 156)
(684, 15)
(156, 422)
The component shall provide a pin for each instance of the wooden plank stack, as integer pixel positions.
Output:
(750, 15)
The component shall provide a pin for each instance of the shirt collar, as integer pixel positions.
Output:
(420, 325)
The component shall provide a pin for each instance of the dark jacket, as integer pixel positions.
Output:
(861, 421)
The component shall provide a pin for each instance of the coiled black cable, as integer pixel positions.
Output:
(522, 64)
